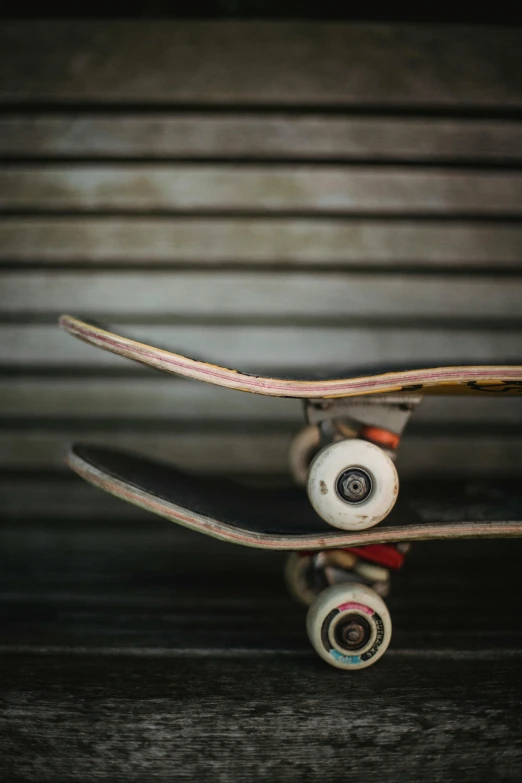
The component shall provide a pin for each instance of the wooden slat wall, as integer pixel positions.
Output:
(276, 196)
(261, 63)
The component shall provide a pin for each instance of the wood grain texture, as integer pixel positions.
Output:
(184, 717)
(248, 188)
(146, 241)
(281, 63)
(262, 136)
(249, 295)
(133, 652)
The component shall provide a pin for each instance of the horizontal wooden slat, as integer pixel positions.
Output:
(260, 241)
(166, 398)
(41, 498)
(219, 452)
(251, 295)
(340, 189)
(155, 397)
(262, 348)
(258, 136)
(260, 62)
(249, 453)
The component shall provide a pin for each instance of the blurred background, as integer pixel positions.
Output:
(286, 188)
(285, 196)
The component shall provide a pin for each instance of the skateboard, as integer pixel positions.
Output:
(345, 455)
(341, 576)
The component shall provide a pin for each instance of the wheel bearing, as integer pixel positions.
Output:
(354, 485)
(352, 632)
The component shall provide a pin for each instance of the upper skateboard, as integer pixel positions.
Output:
(482, 379)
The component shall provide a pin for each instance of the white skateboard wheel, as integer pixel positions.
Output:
(349, 626)
(352, 484)
(304, 581)
(303, 449)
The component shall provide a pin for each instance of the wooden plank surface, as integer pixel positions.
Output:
(260, 63)
(153, 576)
(136, 651)
(147, 717)
(328, 296)
(156, 397)
(54, 496)
(207, 241)
(258, 136)
(249, 188)
(284, 349)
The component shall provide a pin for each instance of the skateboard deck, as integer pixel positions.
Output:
(483, 379)
(284, 519)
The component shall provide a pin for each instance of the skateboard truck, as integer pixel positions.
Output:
(387, 412)
(348, 622)
(345, 456)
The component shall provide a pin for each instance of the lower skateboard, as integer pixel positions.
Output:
(342, 576)
(345, 456)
